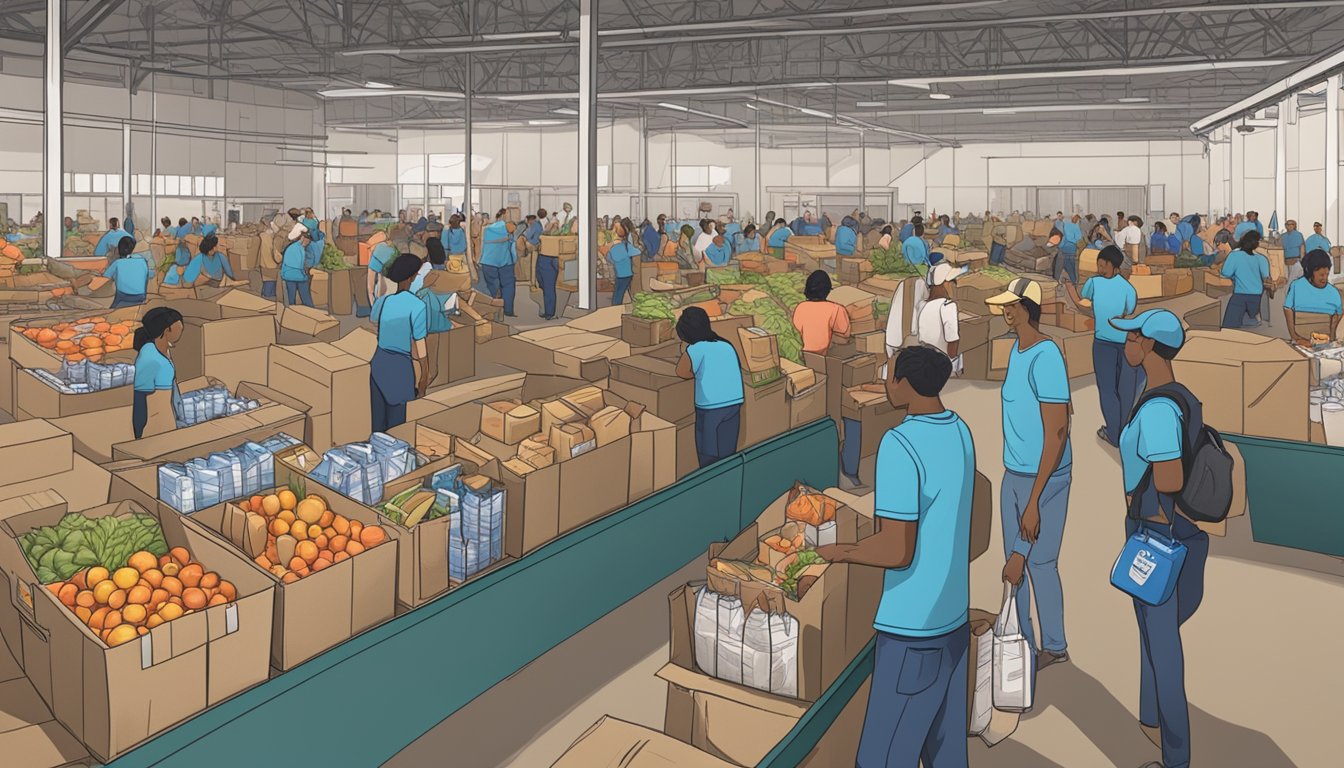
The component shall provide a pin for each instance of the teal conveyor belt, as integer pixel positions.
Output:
(424, 665)
(1293, 502)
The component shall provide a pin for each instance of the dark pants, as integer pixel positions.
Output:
(499, 283)
(917, 705)
(139, 412)
(299, 291)
(548, 273)
(268, 289)
(391, 387)
(1162, 700)
(127, 300)
(622, 287)
(1118, 385)
(716, 432)
(850, 447)
(1241, 306)
(1067, 263)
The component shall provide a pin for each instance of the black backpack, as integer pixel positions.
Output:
(1206, 496)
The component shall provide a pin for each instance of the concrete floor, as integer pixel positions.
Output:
(1262, 687)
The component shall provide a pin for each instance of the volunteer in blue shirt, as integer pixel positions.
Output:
(751, 240)
(454, 237)
(1313, 293)
(382, 254)
(532, 232)
(1038, 468)
(1249, 273)
(1252, 222)
(779, 236)
(398, 372)
(908, 228)
(1294, 248)
(1118, 383)
(1318, 241)
(1158, 241)
(1070, 234)
(652, 240)
(155, 394)
(130, 275)
(497, 262)
(712, 361)
(913, 248)
(1151, 447)
(196, 227)
(622, 255)
(183, 252)
(109, 242)
(846, 237)
(209, 266)
(719, 252)
(208, 230)
(732, 232)
(945, 228)
(294, 269)
(918, 702)
(318, 238)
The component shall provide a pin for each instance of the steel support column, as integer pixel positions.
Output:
(1281, 163)
(644, 168)
(53, 203)
(1332, 218)
(761, 226)
(127, 173)
(587, 202)
(467, 212)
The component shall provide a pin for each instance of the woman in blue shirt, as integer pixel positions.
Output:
(1151, 448)
(209, 266)
(454, 238)
(1313, 293)
(621, 255)
(751, 240)
(1159, 243)
(778, 237)
(713, 363)
(1249, 273)
(846, 237)
(155, 388)
(719, 253)
(183, 253)
(294, 271)
(130, 274)
(403, 324)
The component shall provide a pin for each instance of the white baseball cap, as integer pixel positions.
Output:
(944, 272)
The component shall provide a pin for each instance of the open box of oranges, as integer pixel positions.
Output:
(46, 342)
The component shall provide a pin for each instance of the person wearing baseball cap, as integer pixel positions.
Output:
(1038, 467)
(1318, 241)
(1151, 448)
(1110, 295)
(937, 324)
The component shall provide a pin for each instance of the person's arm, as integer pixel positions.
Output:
(372, 283)
(892, 546)
(228, 268)
(896, 509)
(1264, 276)
(1075, 297)
(951, 329)
(1291, 317)
(1169, 476)
(842, 324)
(684, 368)
(419, 347)
(1055, 420)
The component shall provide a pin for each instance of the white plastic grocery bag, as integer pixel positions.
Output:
(770, 653)
(990, 724)
(1014, 665)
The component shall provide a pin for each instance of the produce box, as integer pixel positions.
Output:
(842, 373)
(642, 332)
(653, 382)
(974, 289)
(319, 282)
(116, 697)
(304, 325)
(1071, 319)
(1148, 287)
(1248, 383)
(873, 413)
(35, 341)
(34, 397)
(335, 385)
(758, 352)
(509, 421)
(1215, 284)
(319, 610)
(1177, 282)
(765, 413)
(615, 742)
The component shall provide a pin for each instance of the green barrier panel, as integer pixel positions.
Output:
(803, 738)
(794, 452)
(1292, 502)
(397, 681)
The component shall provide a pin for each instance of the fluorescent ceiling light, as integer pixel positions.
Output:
(357, 93)
(680, 108)
(545, 122)
(677, 107)
(1156, 69)
(752, 107)
(564, 111)
(866, 104)
(815, 113)
(372, 84)
(939, 95)
(1133, 99)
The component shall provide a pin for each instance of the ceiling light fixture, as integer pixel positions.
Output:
(688, 110)
(1156, 69)
(357, 93)
(1133, 99)
(816, 113)
(564, 111)
(546, 122)
(939, 95)
(752, 107)
(870, 103)
(373, 84)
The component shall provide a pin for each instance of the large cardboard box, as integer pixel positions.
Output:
(303, 325)
(29, 354)
(874, 413)
(1248, 383)
(612, 742)
(559, 245)
(327, 607)
(31, 736)
(642, 332)
(38, 455)
(653, 382)
(765, 413)
(808, 405)
(334, 383)
(562, 351)
(451, 355)
(112, 699)
(34, 398)
(231, 350)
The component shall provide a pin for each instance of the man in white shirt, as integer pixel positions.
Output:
(1129, 239)
(937, 325)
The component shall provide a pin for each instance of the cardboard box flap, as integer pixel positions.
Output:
(42, 501)
(766, 702)
(1234, 347)
(361, 343)
(34, 448)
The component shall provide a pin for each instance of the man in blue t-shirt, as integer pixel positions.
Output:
(1038, 467)
(1294, 248)
(917, 705)
(1109, 295)
(913, 248)
(1318, 241)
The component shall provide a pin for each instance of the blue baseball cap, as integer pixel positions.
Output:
(1160, 325)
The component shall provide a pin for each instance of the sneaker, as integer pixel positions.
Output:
(1046, 658)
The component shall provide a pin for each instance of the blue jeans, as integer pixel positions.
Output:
(1042, 572)
(1067, 263)
(1118, 385)
(127, 300)
(716, 432)
(299, 291)
(499, 283)
(917, 705)
(268, 289)
(622, 287)
(850, 447)
(1239, 307)
(548, 272)
(1162, 700)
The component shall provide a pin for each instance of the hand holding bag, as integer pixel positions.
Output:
(1014, 662)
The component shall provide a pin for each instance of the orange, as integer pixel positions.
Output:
(112, 341)
(209, 580)
(218, 600)
(170, 611)
(372, 536)
(327, 517)
(121, 634)
(278, 527)
(88, 342)
(297, 563)
(46, 337)
(190, 576)
(103, 590)
(154, 620)
(138, 595)
(173, 585)
(314, 530)
(125, 578)
(354, 548)
(287, 515)
(227, 589)
(142, 561)
(341, 525)
(96, 574)
(170, 568)
(84, 599)
(310, 510)
(287, 500)
(321, 563)
(116, 600)
(134, 614)
(153, 577)
(270, 505)
(181, 555)
(194, 598)
(307, 551)
(101, 327)
(66, 594)
(119, 328)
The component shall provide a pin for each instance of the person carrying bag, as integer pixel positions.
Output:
(1014, 673)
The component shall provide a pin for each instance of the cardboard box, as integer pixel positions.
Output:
(1147, 286)
(29, 354)
(31, 734)
(758, 350)
(559, 245)
(42, 456)
(1071, 319)
(1215, 284)
(116, 698)
(451, 355)
(303, 325)
(571, 440)
(35, 398)
(797, 378)
(238, 303)
(653, 382)
(765, 413)
(1177, 282)
(642, 332)
(231, 350)
(612, 742)
(325, 608)
(609, 425)
(343, 285)
(874, 412)
(509, 422)
(808, 405)
(562, 351)
(334, 384)
(1249, 384)
(537, 452)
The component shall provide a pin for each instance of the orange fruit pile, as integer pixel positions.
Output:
(88, 338)
(128, 602)
(312, 536)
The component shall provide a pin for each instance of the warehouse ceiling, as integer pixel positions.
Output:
(806, 71)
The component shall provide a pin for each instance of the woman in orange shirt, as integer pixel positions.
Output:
(818, 319)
